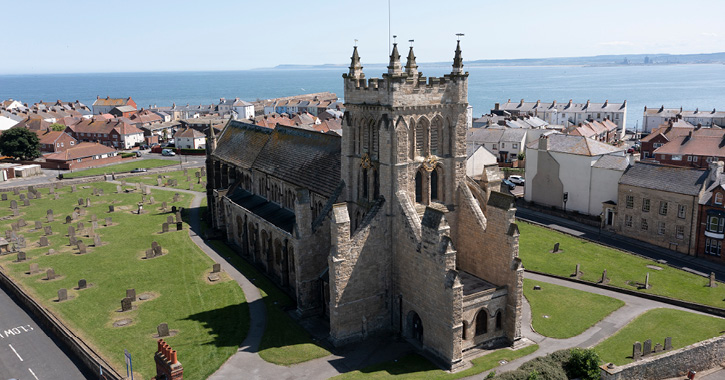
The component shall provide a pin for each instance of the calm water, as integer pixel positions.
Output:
(689, 86)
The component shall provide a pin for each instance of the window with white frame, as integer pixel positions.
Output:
(718, 198)
(680, 232)
(628, 220)
(630, 201)
(681, 211)
(715, 224)
(663, 208)
(645, 205)
(676, 157)
(661, 228)
(643, 225)
(713, 247)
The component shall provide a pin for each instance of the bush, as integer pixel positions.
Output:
(545, 369)
(127, 155)
(491, 375)
(583, 363)
(514, 375)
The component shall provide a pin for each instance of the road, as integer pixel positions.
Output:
(26, 350)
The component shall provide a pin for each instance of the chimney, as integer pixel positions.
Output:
(521, 103)
(544, 142)
(716, 169)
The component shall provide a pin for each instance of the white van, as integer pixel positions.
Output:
(168, 152)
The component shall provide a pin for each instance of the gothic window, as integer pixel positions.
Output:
(436, 137)
(376, 184)
(434, 185)
(365, 183)
(366, 137)
(498, 320)
(481, 322)
(418, 187)
(419, 138)
(375, 139)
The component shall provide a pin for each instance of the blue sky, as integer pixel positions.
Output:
(93, 36)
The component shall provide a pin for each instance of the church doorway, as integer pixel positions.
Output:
(415, 326)
(418, 187)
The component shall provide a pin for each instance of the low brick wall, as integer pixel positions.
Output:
(90, 359)
(697, 357)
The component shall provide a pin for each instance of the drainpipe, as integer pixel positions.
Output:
(697, 228)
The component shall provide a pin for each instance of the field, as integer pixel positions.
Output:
(197, 185)
(120, 168)
(208, 320)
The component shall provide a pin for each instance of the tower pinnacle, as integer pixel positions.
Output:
(411, 68)
(355, 66)
(395, 66)
(458, 60)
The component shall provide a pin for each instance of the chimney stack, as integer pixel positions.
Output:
(168, 366)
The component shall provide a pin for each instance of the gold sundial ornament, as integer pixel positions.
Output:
(430, 163)
(365, 161)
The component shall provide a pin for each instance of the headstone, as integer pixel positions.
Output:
(100, 191)
(51, 190)
(8, 234)
(131, 293)
(178, 216)
(111, 208)
(16, 212)
(26, 202)
(118, 189)
(16, 191)
(15, 226)
(197, 175)
(82, 284)
(13, 204)
(4, 196)
(138, 186)
(81, 247)
(604, 279)
(179, 226)
(170, 219)
(88, 202)
(80, 201)
(31, 189)
(156, 248)
(203, 171)
(81, 226)
(165, 228)
(126, 304)
(74, 215)
(668, 343)
(21, 256)
(48, 230)
(186, 171)
(109, 221)
(71, 231)
(164, 206)
(158, 182)
(22, 197)
(56, 196)
(72, 188)
(712, 283)
(20, 241)
(51, 251)
(163, 330)
(152, 200)
(143, 199)
(38, 224)
(140, 209)
(72, 241)
(68, 219)
(149, 254)
(50, 274)
(646, 281)
(637, 351)
(97, 240)
(123, 183)
(38, 196)
(216, 268)
(44, 241)
(176, 197)
(62, 294)
(34, 268)
(647, 349)
(147, 190)
(658, 348)
(578, 271)
(173, 209)
(191, 186)
(31, 196)
(22, 223)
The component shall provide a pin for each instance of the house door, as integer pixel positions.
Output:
(610, 217)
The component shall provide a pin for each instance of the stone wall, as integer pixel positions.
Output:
(697, 357)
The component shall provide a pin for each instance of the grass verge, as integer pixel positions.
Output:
(685, 329)
(561, 312)
(624, 270)
(210, 319)
(416, 367)
(178, 175)
(120, 168)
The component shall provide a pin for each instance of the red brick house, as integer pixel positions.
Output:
(55, 141)
(711, 221)
(115, 133)
(697, 149)
(101, 105)
(123, 111)
(83, 155)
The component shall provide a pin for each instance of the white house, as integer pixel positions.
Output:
(189, 138)
(573, 172)
(240, 108)
(654, 117)
(505, 143)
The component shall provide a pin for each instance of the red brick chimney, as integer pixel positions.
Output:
(168, 366)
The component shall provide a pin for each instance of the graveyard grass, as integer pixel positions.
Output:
(284, 342)
(212, 319)
(570, 312)
(414, 366)
(124, 167)
(624, 270)
(685, 328)
(178, 175)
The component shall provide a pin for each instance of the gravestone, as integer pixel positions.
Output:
(22, 223)
(152, 200)
(74, 215)
(126, 304)
(80, 201)
(149, 254)
(712, 283)
(26, 202)
(203, 171)
(88, 202)
(147, 190)
(16, 191)
(94, 225)
(81, 247)
(186, 171)
(38, 224)
(21, 256)
(14, 226)
(647, 349)
(668, 343)
(156, 247)
(173, 209)
(158, 182)
(109, 221)
(82, 284)
(97, 240)
(100, 192)
(72, 188)
(49, 212)
(50, 274)
(191, 186)
(578, 272)
(138, 186)
(216, 268)
(22, 197)
(179, 226)
(20, 241)
(68, 219)
(646, 281)
(71, 231)
(658, 348)
(48, 230)
(197, 174)
(34, 268)
(169, 182)
(637, 351)
(178, 216)
(31, 196)
(604, 279)
(13, 204)
(72, 241)
(123, 183)
(176, 197)
(51, 251)
(118, 189)
(31, 189)
(164, 206)
(51, 190)
(143, 199)
(111, 208)
(38, 196)
(163, 330)
(4, 196)
(169, 219)
(16, 212)
(44, 241)
(62, 294)
(81, 226)
(131, 293)
(56, 196)
(165, 228)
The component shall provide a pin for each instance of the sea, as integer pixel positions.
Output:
(689, 86)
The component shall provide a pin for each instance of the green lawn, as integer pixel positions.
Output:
(624, 270)
(212, 319)
(285, 342)
(414, 366)
(685, 329)
(178, 176)
(561, 312)
(120, 168)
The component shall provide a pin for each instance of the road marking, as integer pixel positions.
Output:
(33, 373)
(16, 353)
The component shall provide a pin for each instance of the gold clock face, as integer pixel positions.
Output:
(365, 161)
(429, 164)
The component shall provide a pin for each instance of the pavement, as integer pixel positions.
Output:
(27, 351)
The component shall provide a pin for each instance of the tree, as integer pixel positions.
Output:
(57, 127)
(20, 143)
(583, 364)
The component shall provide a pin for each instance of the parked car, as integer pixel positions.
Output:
(517, 179)
(138, 170)
(510, 184)
(168, 152)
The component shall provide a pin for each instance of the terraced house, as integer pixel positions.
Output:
(379, 231)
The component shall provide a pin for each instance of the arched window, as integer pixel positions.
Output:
(436, 137)
(718, 198)
(498, 320)
(365, 183)
(481, 322)
(434, 185)
(463, 330)
(374, 133)
(366, 137)
(419, 138)
(418, 187)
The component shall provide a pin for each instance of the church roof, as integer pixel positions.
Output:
(269, 211)
(237, 135)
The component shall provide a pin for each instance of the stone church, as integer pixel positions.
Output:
(379, 231)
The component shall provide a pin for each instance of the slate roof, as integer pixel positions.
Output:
(576, 145)
(613, 162)
(673, 179)
(82, 150)
(570, 106)
(111, 101)
(188, 133)
(269, 211)
(696, 145)
(237, 135)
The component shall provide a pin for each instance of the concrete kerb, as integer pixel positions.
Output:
(90, 359)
